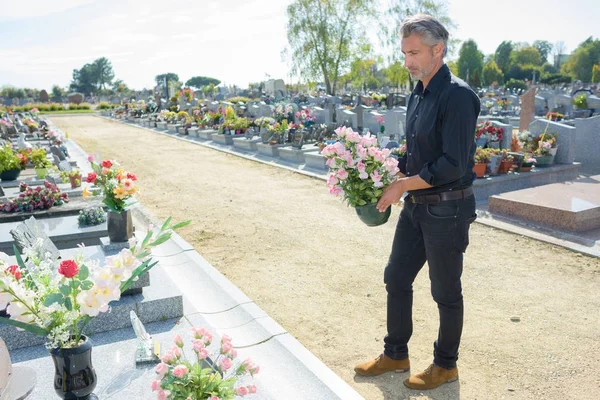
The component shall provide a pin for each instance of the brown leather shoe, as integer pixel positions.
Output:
(431, 378)
(382, 364)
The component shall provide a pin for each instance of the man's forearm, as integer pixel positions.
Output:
(414, 183)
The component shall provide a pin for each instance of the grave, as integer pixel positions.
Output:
(361, 111)
(271, 150)
(565, 140)
(587, 143)
(569, 206)
(206, 134)
(319, 115)
(15, 382)
(394, 122)
(223, 139)
(343, 115)
(527, 109)
(315, 161)
(245, 143)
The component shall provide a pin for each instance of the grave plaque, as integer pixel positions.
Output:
(527, 109)
(298, 140)
(27, 233)
(148, 350)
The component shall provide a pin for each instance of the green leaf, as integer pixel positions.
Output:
(75, 284)
(166, 224)
(147, 239)
(181, 224)
(53, 298)
(86, 285)
(65, 290)
(68, 303)
(161, 239)
(84, 272)
(20, 262)
(361, 202)
(36, 330)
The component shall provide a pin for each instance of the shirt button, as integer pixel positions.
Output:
(413, 135)
(408, 173)
(410, 154)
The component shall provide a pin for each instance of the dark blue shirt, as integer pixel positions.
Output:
(440, 133)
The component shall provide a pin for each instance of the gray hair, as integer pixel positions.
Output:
(428, 27)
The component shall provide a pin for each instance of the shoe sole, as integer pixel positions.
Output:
(448, 381)
(396, 370)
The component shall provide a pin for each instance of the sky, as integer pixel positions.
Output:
(235, 41)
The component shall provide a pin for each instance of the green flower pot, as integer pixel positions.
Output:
(371, 216)
(40, 173)
(544, 161)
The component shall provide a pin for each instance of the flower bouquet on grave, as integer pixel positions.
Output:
(503, 104)
(277, 132)
(204, 379)
(57, 299)
(381, 121)
(305, 117)
(117, 186)
(38, 198)
(360, 171)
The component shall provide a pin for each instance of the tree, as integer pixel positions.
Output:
(84, 80)
(397, 74)
(502, 55)
(11, 92)
(453, 67)
(492, 73)
(526, 56)
(104, 72)
(324, 36)
(171, 77)
(596, 74)
(57, 92)
(582, 61)
(544, 47)
(470, 62)
(399, 10)
(558, 50)
(516, 85)
(120, 87)
(199, 82)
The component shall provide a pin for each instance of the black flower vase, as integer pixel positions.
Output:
(119, 226)
(74, 374)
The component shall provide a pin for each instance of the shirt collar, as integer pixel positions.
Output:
(438, 79)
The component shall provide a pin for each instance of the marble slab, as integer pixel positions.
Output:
(222, 139)
(247, 144)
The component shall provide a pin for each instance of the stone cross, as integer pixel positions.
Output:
(527, 109)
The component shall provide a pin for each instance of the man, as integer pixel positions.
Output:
(437, 174)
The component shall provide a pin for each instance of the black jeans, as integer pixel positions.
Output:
(439, 234)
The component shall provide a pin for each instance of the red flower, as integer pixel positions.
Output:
(131, 176)
(68, 268)
(106, 164)
(14, 271)
(91, 178)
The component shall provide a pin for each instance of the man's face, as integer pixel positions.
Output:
(418, 57)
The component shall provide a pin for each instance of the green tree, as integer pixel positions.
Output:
(397, 74)
(120, 87)
(57, 92)
(516, 84)
(502, 55)
(171, 77)
(544, 47)
(582, 61)
(84, 80)
(399, 10)
(324, 37)
(11, 92)
(554, 79)
(526, 56)
(596, 73)
(492, 73)
(453, 66)
(104, 72)
(199, 82)
(470, 62)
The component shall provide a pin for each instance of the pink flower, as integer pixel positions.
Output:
(161, 369)
(202, 354)
(339, 148)
(155, 386)
(251, 389)
(198, 345)
(375, 176)
(361, 152)
(332, 180)
(163, 394)
(178, 341)
(90, 158)
(226, 347)
(226, 363)
(331, 162)
(226, 339)
(241, 391)
(214, 398)
(198, 332)
(180, 371)
(342, 174)
(234, 353)
(361, 166)
(175, 350)
(363, 175)
(336, 190)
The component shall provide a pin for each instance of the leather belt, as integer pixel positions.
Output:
(444, 196)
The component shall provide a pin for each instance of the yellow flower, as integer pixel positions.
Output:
(120, 193)
(86, 192)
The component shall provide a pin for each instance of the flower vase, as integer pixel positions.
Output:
(479, 169)
(370, 215)
(553, 151)
(10, 174)
(526, 166)
(75, 181)
(120, 226)
(74, 374)
(481, 142)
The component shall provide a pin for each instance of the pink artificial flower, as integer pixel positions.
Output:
(180, 371)
(361, 152)
(332, 180)
(175, 350)
(225, 339)
(178, 341)
(342, 174)
(336, 190)
(161, 369)
(363, 175)
(339, 148)
(251, 389)
(361, 166)
(198, 345)
(241, 391)
(226, 363)
(155, 386)
(375, 176)
(202, 354)
(163, 394)
(214, 398)
(226, 347)
(234, 353)
(90, 158)
(198, 332)
(353, 137)
(328, 150)
(331, 162)
(169, 357)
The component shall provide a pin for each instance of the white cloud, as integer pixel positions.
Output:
(14, 10)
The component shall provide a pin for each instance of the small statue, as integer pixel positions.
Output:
(21, 143)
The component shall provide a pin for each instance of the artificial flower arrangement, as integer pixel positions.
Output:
(38, 198)
(6, 123)
(381, 121)
(31, 124)
(10, 160)
(188, 94)
(207, 378)
(555, 116)
(57, 299)
(492, 133)
(282, 112)
(305, 117)
(117, 186)
(359, 170)
(503, 103)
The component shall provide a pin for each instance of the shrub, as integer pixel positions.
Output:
(103, 106)
(237, 99)
(516, 84)
(91, 216)
(580, 101)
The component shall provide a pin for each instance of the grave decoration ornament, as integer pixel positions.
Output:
(360, 171)
(148, 350)
(58, 298)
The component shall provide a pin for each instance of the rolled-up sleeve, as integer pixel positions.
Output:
(458, 127)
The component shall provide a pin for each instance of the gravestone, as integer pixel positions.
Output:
(593, 102)
(265, 110)
(527, 109)
(319, 115)
(58, 153)
(44, 96)
(298, 140)
(370, 122)
(564, 103)
(343, 115)
(76, 98)
(540, 102)
(360, 111)
(565, 153)
(27, 233)
(587, 143)
(1, 192)
(394, 122)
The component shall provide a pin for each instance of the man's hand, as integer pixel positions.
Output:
(391, 195)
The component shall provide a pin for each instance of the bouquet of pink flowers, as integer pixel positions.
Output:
(359, 170)
(206, 379)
